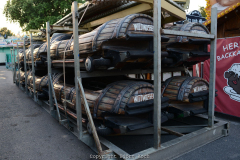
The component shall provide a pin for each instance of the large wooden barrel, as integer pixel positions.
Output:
(57, 49)
(91, 96)
(20, 55)
(28, 51)
(59, 91)
(21, 79)
(55, 38)
(179, 88)
(42, 82)
(117, 98)
(22, 76)
(134, 25)
(188, 27)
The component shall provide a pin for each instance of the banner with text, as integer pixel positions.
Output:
(227, 75)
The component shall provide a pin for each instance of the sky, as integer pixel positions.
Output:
(195, 5)
(15, 28)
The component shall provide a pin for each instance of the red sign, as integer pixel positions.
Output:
(227, 76)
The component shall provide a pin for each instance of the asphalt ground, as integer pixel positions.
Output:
(28, 132)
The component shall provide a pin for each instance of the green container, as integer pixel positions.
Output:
(5, 55)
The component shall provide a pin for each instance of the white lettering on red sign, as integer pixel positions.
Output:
(228, 55)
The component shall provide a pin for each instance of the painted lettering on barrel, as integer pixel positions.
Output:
(143, 98)
(143, 27)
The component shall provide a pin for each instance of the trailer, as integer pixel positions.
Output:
(127, 107)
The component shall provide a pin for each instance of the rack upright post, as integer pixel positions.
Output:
(14, 65)
(212, 79)
(77, 67)
(25, 65)
(18, 67)
(49, 69)
(157, 74)
(33, 69)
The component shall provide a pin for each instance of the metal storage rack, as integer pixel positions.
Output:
(198, 135)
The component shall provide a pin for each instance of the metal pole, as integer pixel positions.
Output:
(18, 67)
(157, 74)
(88, 112)
(25, 65)
(202, 63)
(49, 69)
(33, 70)
(212, 68)
(11, 60)
(77, 67)
(14, 66)
(50, 84)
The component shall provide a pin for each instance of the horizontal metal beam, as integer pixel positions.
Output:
(181, 129)
(145, 6)
(174, 148)
(187, 34)
(169, 6)
(113, 73)
(66, 28)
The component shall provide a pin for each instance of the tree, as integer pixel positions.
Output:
(202, 11)
(5, 32)
(33, 14)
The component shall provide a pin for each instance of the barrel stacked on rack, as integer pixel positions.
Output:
(124, 43)
(187, 94)
(127, 43)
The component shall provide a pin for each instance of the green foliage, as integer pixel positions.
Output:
(202, 11)
(4, 31)
(33, 14)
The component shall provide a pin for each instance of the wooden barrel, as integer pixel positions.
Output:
(59, 37)
(57, 49)
(55, 38)
(35, 52)
(178, 88)
(22, 76)
(116, 97)
(28, 51)
(20, 55)
(188, 27)
(42, 82)
(134, 25)
(59, 91)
